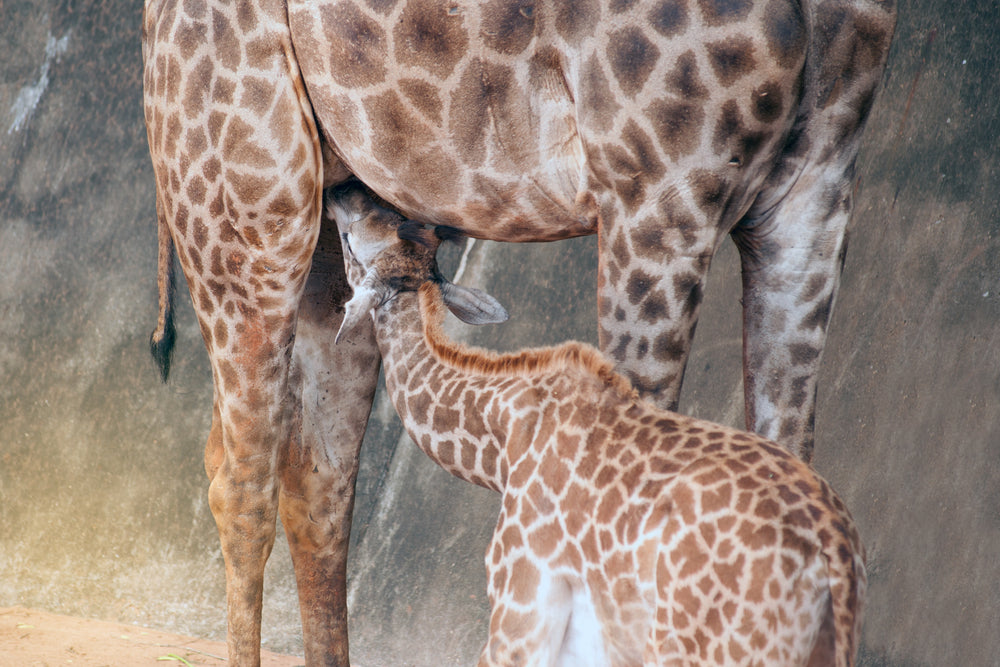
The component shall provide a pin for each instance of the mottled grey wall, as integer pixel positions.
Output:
(102, 491)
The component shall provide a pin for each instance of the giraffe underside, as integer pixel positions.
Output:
(535, 121)
(528, 121)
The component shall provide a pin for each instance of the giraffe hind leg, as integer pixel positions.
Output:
(530, 605)
(335, 385)
(793, 239)
(791, 269)
(824, 651)
(530, 635)
(583, 642)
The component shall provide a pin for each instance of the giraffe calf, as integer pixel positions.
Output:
(628, 535)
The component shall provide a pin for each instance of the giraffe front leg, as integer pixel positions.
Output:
(528, 626)
(791, 264)
(650, 285)
(530, 605)
(336, 385)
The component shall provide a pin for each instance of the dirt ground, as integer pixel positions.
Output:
(30, 638)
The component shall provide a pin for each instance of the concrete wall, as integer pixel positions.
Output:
(102, 491)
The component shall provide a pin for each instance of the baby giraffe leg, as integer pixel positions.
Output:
(530, 605)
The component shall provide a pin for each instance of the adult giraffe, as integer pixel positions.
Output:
(662, 126)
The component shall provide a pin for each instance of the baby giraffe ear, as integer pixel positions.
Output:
(471, 305)
(365, 298)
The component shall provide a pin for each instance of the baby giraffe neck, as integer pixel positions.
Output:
(461, 404)
(450, 414)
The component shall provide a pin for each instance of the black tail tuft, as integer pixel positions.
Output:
(161, 342)
(161, 346)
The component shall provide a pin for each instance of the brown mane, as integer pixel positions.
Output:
(568, 355)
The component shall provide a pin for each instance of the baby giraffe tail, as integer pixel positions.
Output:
(840, 633)
(161, 341)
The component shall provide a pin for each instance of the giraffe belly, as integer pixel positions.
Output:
(524, 192)
(466, 138)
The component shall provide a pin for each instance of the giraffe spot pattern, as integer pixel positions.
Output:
(258, 95)
(485, 91)
(382, 6)
(430, 37)
(225, 42)
(669, 346)
(239, 147)
(688, 291)
(677, 124)
(189, 37)
(637, 160)
(248, 188)
(733, 137)
(223, 90)
(195, 143)
(424, 97)
(720, 12)
(575, 20)
(508, 27)
(632, 57)
(768, 102)
(669, 17)
(709, 189)
(731, 58)
(358, 45)
(654, 308)
(246, 17)
(197, 87)
(599, 104)
(195, 8)
(785, 32)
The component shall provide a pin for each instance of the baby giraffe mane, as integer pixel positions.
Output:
(568, 355)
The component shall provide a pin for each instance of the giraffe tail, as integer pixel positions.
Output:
(161, 341)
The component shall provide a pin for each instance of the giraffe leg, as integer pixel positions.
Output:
(791, 267)
(253, 411)
(239, 182)
(530, 607)
(793, 239)
(336, 385)
(650, 285)
(528, 626)
(249, 423)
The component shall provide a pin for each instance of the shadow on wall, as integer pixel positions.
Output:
(103, 508)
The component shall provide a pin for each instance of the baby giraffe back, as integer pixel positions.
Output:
(633, 536)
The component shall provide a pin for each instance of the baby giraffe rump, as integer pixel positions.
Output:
(628, 535)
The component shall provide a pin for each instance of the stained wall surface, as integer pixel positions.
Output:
(103, 508)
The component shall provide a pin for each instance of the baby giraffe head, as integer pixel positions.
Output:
(386, 254)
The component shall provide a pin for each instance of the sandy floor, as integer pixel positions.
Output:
(30, 638)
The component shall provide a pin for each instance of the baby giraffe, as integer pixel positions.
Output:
(628, 535)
